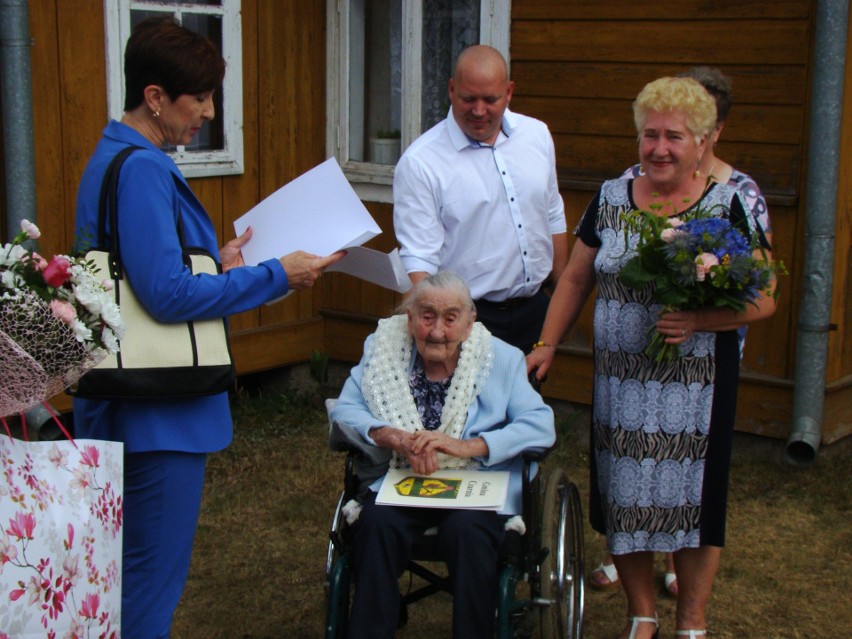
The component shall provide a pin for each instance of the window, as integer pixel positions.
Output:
(218, 147)
(389, 62)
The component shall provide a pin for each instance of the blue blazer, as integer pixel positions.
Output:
(149, 199)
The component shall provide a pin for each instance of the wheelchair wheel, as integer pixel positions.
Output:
(333, 553)
(561, 573)
(337, 579)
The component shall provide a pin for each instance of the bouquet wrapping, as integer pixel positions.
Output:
(702, 260)
(57, 321)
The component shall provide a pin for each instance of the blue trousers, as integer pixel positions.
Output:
(470, 542)
(162, 499)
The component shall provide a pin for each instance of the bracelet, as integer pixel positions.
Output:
(543, 344)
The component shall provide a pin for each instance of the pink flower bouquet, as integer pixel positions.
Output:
(56, 322)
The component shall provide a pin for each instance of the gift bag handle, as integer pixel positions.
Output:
(24, 425)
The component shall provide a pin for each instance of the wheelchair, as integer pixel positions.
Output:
(541, 583)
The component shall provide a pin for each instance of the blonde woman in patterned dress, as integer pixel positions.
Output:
(661, 431)
(712, 167)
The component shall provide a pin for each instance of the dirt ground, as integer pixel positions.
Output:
(260, 551)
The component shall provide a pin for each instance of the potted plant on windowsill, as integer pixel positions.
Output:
(385, 147)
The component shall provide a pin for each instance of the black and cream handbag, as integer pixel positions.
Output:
(156, 360)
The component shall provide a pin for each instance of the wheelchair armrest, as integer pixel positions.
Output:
(344, 438)
(528, 508)
(364, 462)
(530, 457)
(537, 455)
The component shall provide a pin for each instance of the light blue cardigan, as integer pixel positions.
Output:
(508, 414)
(148, 201)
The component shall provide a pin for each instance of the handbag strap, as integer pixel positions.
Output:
(108, 207)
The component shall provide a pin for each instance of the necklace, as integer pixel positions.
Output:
(712, 168)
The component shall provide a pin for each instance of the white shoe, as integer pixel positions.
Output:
(670, 582)
(612, 581)
(635, 621)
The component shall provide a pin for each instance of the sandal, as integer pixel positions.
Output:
(604, 578)
(692, 634)
(670, 582)
(635, 621)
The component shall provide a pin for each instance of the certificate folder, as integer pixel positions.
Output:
(474, 489)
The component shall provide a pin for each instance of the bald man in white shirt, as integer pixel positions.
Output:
(477, 195)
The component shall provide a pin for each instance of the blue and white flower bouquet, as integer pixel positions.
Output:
(700, 261)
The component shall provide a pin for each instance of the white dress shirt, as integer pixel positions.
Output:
(486, 213)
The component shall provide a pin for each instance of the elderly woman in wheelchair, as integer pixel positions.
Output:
(437, 391)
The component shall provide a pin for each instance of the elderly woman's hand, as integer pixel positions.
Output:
(231, 255)
(425, 442)
(422, 462)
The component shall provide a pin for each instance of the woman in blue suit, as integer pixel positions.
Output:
(171, 74)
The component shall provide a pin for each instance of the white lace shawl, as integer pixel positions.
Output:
(388, 395)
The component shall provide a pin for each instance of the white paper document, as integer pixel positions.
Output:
(475, 489)
(319, 213)
(384, 269)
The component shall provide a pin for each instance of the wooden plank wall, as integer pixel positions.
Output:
(352, 306)
(283, 128)
(578, 66)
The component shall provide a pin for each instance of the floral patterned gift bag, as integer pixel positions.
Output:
(61, 516)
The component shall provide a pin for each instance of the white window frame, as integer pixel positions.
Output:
(226, 161)
(371, 181)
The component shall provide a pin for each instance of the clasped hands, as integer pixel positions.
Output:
(302, 268)
(421, 448)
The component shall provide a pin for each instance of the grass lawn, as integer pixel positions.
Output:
(259, 555)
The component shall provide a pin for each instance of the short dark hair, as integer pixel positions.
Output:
(717, 84)
(160, 51)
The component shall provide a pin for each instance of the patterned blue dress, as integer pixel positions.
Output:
(661, 431)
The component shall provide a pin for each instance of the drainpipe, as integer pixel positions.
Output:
(17, 99)
(19, 143)
(820, 221)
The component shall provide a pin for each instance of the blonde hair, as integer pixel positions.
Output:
(677, 94)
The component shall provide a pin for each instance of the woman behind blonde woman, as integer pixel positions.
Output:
(661, 431)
